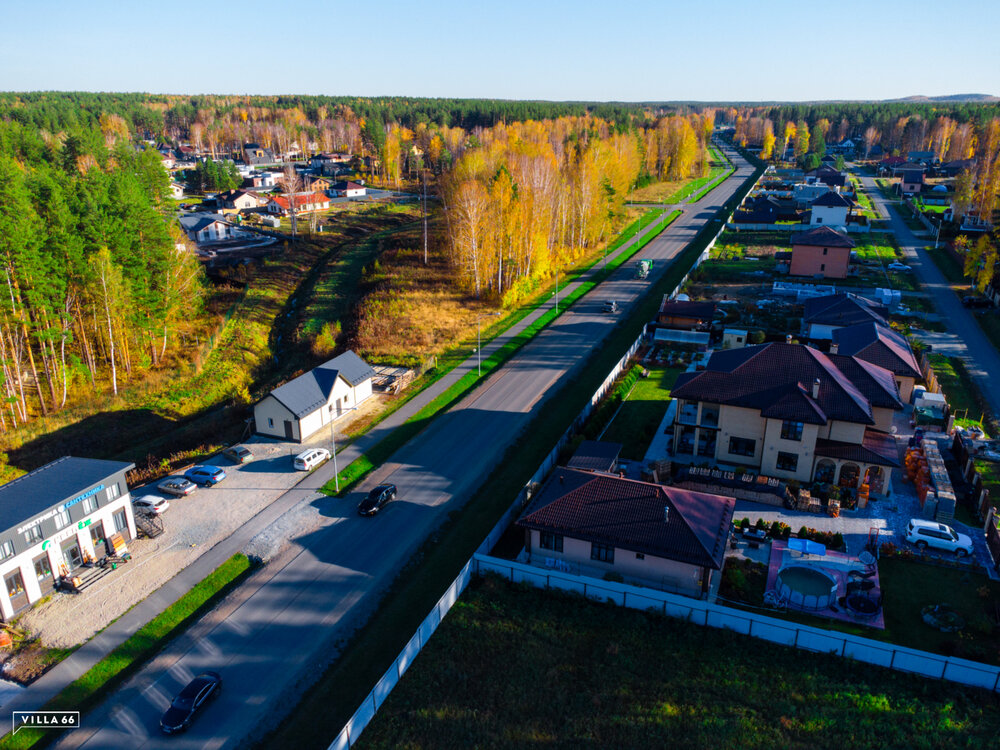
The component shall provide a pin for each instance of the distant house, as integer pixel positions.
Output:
(953, 168)
(920, 157)
(303, 406)
(176, 190)
(791, 412)
(347, 189)
(882, 346)
(303, 202)
(804, 193)
(168, 160)
(823, 315)
(234, 201)
(908, 166)
(828, 175)
(206, 228)
(318, 185)
(255, 154)
(889, 163)
(685, 315)
(821, 251)
(329, 163)
(911, 181)
(661, 537)
(830, 209)
(763, 209)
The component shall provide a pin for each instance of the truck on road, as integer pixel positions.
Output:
(643, 267)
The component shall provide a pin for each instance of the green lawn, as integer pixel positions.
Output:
(948, 266)
(124, 660)
(960, 390)
(642, 411)
(517, 667)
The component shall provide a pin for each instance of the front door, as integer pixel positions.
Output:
(121, 525)
(43, 572)
(71, 554)
(340, 408)
(288, 429)
(15, 590)
(98, 537)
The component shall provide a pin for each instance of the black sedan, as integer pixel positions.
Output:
(189, 701)
(377, 498)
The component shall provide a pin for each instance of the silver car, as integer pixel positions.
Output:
(177, 486)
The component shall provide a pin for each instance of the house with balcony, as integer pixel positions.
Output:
(791, 412)
(593, 524)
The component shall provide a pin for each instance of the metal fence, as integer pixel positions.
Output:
(772, 629)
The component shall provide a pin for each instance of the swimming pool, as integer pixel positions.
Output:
(806, 587)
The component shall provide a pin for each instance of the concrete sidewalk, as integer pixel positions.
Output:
(77, 664)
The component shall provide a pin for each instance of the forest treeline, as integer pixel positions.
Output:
(95, 279)
(527, 198)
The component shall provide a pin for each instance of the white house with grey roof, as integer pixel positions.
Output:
(303, 406)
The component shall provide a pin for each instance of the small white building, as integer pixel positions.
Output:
(176, 190)
(303, 406)
(56, 518)
(831, 209)
(735, 338)
(348, 189)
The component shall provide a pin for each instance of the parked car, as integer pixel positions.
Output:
(150, 504)
(611, 306)
(376, 499)
(206, 476)
(310, 459)
(190, 701)
(178, 486)
(896, 266)
(238, 454)
(974, 301)
(926, 534)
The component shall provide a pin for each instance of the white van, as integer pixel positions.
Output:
(310, 459)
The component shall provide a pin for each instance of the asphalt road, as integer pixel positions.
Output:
(283, 626)
(981, 357)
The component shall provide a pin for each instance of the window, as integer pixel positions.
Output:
(551, 541)
(791, 430)
(822, 266)
(42, 568)
(824, 251)
(90, 504)
(819, 219)
(787, 461)
(270, 422)
(639, 556)
(742, 446)
(121, 521)
(602, 553)
(62, 519)
(113, 491)
(34, 534)
(6, 550)
(15, 584)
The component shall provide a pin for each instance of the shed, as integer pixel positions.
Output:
(596, 455)
(303, 406)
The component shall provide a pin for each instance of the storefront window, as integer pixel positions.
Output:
(42, 568)
(15, 584)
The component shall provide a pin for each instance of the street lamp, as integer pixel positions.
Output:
(333, 447)
(479, 334)
(557, 290)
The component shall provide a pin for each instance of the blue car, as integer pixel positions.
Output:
(205, 475)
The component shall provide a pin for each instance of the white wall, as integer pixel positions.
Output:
(835, 216)
(270, 408)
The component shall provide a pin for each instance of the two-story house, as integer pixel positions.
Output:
(791, 412)
(821, 251)
(882, 346)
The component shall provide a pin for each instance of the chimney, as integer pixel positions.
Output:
(834, 347)
(788, 338)
(666, 514)
(816, 388)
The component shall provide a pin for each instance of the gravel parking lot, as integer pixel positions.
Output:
(192, 525)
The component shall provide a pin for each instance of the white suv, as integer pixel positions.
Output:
(926, 534)
(310, 459)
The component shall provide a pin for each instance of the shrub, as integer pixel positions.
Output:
(761, 523)
(745, 524)
(775, 530)
(756, 336)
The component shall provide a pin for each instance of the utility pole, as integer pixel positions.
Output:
(557, 290)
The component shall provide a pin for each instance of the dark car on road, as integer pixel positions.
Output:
(972, 301)
(190, 701)
(376, 499)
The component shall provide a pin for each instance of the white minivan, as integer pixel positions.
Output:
(310, 459)
(926, 534)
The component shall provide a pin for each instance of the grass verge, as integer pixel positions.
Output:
(947, 265)
(128, 657)
(513, 666)
(642, 411)
(333, 699)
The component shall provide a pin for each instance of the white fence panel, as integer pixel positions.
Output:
(428, 626)
(454, 591)
(643, 602)
(769, 630)
(562, 583)
(358, 722)
(604, 594)
(972, 674)
(384, 686)
(673, 608)
(409, 653)
(814, 640)
(914, 661)
(728, 620)
(342, 742)
(868, 652)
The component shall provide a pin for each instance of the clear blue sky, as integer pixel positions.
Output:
(631, 50)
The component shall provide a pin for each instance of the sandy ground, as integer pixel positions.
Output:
(192, 525)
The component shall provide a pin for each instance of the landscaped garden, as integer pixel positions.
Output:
(641, 411)
(513, 667)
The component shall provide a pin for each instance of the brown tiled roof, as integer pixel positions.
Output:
(631, 515)
(300, 199)
(843, 309)
(822, 237)
(777, 379)
(876, 383)
(876, 448)
(879, 345)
